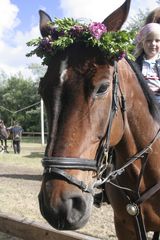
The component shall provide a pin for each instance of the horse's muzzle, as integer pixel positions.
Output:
(71, 211)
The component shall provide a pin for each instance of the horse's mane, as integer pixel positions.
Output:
(153, 106)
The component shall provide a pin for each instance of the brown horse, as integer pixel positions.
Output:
(95, 106)
(153, 16)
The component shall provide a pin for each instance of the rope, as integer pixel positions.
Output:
(22, 109)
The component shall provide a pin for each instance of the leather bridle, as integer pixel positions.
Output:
(57, 165)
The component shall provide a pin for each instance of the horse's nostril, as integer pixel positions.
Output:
(78, 208)
(79, 203)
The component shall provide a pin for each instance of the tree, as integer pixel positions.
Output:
(16, 94)
(137, 21)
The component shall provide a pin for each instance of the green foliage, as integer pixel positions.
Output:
(65, 32)
(122, 43)
(17, 93)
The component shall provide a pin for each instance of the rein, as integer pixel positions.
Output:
(102, 166)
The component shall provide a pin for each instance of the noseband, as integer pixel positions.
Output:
(57, 165)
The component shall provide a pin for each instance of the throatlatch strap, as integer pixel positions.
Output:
(141, 231)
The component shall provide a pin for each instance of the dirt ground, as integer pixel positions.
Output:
(20, 180)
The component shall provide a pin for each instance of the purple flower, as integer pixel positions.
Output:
(122, 55)
(97, 29)
(76, 30)
(45, 44)
(55, 34)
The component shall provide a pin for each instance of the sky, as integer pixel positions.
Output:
(19, 23)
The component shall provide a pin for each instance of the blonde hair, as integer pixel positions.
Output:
(149, 29)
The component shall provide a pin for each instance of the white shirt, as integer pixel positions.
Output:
(149, 71)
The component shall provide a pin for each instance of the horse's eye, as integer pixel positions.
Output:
(102, 89)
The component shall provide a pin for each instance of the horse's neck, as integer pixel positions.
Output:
(140, 127)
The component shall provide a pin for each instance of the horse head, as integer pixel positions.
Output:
(77, 90)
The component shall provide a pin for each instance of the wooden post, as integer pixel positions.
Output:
(29, 230)
(42, 122)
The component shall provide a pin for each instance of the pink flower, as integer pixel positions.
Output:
(97, 29)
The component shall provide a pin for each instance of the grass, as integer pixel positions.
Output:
(33, 139)
(30, 156)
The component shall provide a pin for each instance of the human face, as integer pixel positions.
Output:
(151, 46)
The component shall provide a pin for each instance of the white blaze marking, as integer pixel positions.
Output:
(63, 71)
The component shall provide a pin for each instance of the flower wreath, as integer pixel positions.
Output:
(65, 32)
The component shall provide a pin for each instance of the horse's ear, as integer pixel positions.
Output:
(116, 19)
(43, 24)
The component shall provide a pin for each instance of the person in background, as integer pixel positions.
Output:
(147, 53)
(16, 131)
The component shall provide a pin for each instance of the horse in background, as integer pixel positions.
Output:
(154, 16)
(4, 134)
